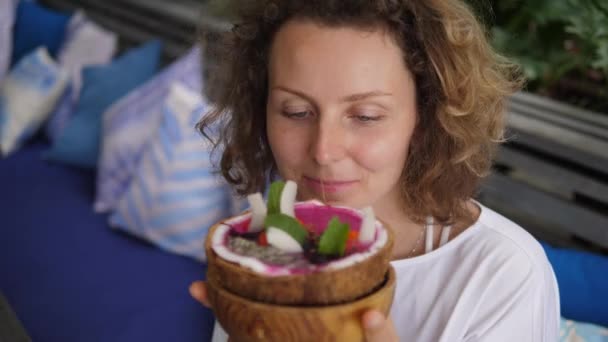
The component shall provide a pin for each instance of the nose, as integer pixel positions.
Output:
(328, 144)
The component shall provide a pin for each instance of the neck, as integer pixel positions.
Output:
(406, 231)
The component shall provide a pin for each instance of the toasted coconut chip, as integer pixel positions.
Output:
(288, 198)
(258, 212)
(283, 241)
(368, 226)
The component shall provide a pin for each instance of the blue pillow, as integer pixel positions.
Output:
(78, 144)
(583, 284)
(37, 26)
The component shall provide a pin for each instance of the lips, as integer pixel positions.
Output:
(329, 186)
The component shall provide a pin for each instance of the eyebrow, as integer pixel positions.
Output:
(349, 98)
(363, 96)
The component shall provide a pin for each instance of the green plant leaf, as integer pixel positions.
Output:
(601, 61)
(553, 40)
(274, 197)
(333, 239)
(287, 224)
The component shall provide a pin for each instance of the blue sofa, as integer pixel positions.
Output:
(69, 277)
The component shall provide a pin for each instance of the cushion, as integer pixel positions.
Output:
(36, 25)
(129, 123)
(175, 196)
(69, 278)
(78, 144)
(582, 282)
(7, 19)
(28, 95)
(85, 44)
(573, 331)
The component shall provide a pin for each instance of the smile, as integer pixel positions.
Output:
(328, 186)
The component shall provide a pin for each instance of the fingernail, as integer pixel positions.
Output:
(194, 291)
(374, 320)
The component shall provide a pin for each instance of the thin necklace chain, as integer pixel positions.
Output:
(417, 241)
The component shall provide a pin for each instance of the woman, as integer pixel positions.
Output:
(397, 104)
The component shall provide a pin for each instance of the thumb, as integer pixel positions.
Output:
(198, 290)
(378, 328)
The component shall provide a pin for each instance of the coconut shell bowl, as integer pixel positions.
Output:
(320, 300)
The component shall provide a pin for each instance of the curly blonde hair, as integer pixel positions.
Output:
(461, 88)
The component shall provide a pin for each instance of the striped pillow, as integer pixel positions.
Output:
(175, 196)
(129, 123)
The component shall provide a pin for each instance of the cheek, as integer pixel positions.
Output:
(384, 154)
(381, 156)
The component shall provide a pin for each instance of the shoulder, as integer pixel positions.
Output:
(503, 251)
(511, 258)
(516, 271)
(508, 239)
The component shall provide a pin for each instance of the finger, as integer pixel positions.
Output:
(198, 291)
(377, 328)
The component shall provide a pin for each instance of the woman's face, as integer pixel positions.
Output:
(341, 112)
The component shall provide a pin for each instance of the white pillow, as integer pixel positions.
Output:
(175, 195)
(29, 93)
(85, 44)
(7, 20)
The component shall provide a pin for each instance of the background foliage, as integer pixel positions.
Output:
(562, 45)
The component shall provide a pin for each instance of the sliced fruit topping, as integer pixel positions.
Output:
(274, 197)
(352, 240)
(258, 212)
(288, 198)
(262, 239)
(280, 239)
(368, 226)
(292, 227)
(333, 239)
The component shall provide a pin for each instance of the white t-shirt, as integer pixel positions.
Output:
(492, 282)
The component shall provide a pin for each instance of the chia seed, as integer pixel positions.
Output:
(246, 245)
(268, 254)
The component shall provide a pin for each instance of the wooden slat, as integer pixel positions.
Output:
(559, 109)
(135, 21)
(525, 204)
(565, 131)
(582, 127)
(539, 136)
(185, 12)
(559, 135)
(558, 177)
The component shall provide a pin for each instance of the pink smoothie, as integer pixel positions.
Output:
(315, 216)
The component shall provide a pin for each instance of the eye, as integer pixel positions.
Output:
(364, 118)
(297, 115)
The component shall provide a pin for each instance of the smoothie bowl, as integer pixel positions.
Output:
(290, 271)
